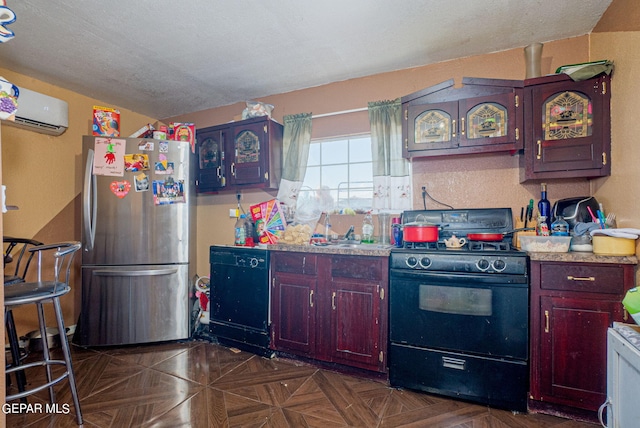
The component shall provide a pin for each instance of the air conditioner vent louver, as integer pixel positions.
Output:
(41, 113)
(28, 123)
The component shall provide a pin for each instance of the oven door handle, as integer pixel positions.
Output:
(493, 278)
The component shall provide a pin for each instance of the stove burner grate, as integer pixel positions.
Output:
(489, 245)
(423, 245)
(469, 246)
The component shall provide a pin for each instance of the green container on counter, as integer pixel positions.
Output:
(631, 303)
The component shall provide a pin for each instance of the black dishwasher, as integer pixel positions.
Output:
(239, 297)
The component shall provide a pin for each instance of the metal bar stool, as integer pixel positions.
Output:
(16, 255)
(43, 291)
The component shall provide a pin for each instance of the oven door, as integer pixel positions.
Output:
(484, 314)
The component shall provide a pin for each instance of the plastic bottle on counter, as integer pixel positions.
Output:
(544, 206)
(367, 229)
(543, 229)
(241, 231)
(250, 234)
(560, 227)
(397, 235)
(327, 227)
(396, 231)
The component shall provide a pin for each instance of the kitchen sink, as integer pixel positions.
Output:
(363, 246)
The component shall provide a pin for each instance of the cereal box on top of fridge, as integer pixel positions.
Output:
(106, 121)
(184, 132)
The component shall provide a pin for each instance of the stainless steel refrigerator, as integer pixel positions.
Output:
(138, 254)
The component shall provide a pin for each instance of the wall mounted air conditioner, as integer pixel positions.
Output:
(41, 113)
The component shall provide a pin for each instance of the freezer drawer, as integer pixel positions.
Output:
(133, 304)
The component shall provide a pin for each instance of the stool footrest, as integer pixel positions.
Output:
(38, 388)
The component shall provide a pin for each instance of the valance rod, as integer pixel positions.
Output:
(335, 113)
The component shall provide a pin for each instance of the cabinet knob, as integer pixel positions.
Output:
(453, 128)
(539, 156)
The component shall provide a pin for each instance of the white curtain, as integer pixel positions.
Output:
(391, 172)
(295, 154)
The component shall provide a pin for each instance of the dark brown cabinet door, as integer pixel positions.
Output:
(433, 126)
(489, 121)
(330, 308)
(569, 133)
(573, 350)
(293, 307)
(240, 155)
(355, 323)
(485, 115)
(249, 152)
(210, 158)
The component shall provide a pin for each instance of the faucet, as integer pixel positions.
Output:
(349, 234)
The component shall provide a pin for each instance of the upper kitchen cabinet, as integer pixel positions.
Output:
(239, 155)
(568, 128)
(484, 115)
(210, 153)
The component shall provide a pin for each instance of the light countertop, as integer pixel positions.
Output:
(375, 250)
(580, 257)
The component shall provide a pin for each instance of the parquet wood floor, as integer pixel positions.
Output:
(197, 384)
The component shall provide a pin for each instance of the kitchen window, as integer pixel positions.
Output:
(339, 174)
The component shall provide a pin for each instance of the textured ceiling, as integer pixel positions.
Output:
(164, 58)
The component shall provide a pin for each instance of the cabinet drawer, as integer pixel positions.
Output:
(582, 277)
(302, 263)
(371, 268)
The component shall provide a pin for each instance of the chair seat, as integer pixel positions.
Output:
(29, 292)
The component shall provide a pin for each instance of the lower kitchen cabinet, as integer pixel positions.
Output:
(572, 307)
(293, 325)
(330, 308)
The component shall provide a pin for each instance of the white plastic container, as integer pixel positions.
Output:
(545, 244)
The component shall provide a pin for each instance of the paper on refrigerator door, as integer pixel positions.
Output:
(109, 156)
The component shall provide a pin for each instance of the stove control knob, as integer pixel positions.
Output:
(412, 262)
(425, 262)
(482, 264)
(499, 265)
(254, 262)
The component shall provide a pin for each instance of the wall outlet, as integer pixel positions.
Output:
(233, 212)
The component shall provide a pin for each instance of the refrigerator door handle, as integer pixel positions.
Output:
(147, 272)
(90, 201)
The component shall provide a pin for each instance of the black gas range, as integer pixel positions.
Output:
(458, 318)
